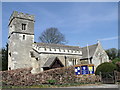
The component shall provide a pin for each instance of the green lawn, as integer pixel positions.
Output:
(55, 86)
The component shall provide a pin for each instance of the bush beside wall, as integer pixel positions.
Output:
(105, 67)
(23, 77)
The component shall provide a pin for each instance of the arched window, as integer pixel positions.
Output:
(23, 26)
(23, 37)
(10, 54)
(9, 68)
(37, 59)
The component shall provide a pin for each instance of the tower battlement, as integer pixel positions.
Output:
(16, 14)
(21, 34)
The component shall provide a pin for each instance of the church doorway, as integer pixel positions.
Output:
(52, 63)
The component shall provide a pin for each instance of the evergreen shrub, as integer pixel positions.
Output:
(105, 67)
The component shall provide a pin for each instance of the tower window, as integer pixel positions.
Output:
(23, 26)
(23, 37)
(9, 68)
(32, 54)
(37, 59)
(10, 54)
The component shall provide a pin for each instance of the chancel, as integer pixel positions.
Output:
(23, 52)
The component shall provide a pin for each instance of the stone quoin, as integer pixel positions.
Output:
(23, 52)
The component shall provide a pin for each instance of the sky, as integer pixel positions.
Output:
(82, 23)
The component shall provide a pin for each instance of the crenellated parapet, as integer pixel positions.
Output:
(21, 35)
(21, 15)
(57, 49)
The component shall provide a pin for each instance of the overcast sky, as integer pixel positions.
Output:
(82, 23)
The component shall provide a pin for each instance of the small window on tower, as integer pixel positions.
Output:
(23, 26)
(9, 68)
(23, 37)
(10, 54)
(32, 54)
(37, 59)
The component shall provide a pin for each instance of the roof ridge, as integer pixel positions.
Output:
(57, 45)
(90, 45)
(92, 49)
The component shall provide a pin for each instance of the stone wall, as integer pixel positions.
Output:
(100, 56)
(23, 77)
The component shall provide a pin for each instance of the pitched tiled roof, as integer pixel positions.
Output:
(92, 50)
(58, 46)
(50, 62)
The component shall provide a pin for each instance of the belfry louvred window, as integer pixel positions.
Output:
(23, 26)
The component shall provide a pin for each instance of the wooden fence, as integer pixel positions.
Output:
(117, 76)
(110, 77)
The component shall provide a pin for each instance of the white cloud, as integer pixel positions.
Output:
(87, 18)
(110, 38)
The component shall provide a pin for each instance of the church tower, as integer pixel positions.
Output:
(20, 40)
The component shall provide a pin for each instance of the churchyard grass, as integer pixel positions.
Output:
(54, 85)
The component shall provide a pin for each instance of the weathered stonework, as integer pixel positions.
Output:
(23, 52)
(20, 41)
(24, 77)
(100, 56)
(68, 56)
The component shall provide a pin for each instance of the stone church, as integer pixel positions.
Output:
(24, 52)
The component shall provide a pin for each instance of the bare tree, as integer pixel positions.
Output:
(52, 35)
